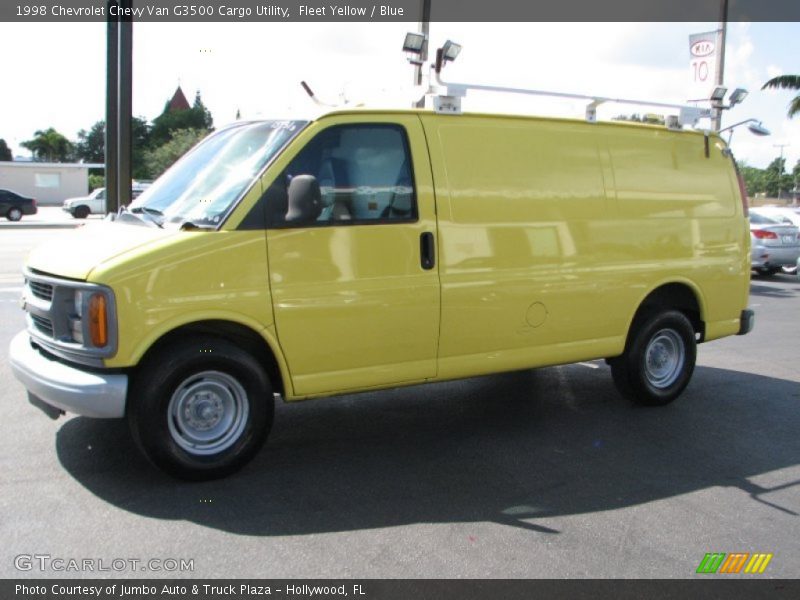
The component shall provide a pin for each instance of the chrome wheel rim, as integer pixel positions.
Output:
(664, 358)
(14, 214)
(208, 413)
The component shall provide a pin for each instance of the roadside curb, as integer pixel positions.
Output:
(21, 225)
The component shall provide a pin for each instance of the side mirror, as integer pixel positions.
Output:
(304, 199)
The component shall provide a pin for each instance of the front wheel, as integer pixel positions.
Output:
(81, 212)
(200, 408)
(659, 359)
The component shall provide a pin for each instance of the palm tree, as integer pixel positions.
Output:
(49, 145)
(787, 82)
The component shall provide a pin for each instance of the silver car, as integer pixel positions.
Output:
(774, 243)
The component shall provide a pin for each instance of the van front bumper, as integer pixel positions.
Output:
(64, 387)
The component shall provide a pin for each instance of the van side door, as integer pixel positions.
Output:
(351, 248)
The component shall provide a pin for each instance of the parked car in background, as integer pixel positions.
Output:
(95, 203)
(786, 214)
(13, 206)
(82, 206)
(774, 243)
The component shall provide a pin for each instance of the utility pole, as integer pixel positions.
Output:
(780, 174)
(719, 75)
(424, 27)
(119, 74)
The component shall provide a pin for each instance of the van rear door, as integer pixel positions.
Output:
(354, 280)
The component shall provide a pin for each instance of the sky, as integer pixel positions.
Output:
(56, 72)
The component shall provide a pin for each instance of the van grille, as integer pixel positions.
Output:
(42, 324)
(43, 291)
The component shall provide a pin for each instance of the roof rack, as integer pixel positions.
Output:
(450, 101)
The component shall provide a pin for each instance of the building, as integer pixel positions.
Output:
(49, 183)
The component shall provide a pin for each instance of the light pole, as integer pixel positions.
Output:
(719, 75)
(780, 174)
(424, 26)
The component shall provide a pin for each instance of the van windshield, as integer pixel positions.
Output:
(203, 186)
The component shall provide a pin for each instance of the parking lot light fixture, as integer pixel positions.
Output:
(737, 97)
(413, 43)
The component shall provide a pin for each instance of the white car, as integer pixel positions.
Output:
(83, 206)
(785, 213)
(95, 203)
(775, 243)
(788, 215)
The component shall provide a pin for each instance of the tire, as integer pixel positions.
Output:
(659, 359)
(14, 214)
(81, 212)
(200, 408)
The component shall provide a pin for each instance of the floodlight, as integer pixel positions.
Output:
(718, 94)
(414, 42)
(737, 96)
(450, 51)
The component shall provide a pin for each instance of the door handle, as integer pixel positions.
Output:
(427, 251)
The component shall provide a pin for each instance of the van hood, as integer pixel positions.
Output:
(75, 254)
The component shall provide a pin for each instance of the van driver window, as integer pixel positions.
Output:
(347, 174)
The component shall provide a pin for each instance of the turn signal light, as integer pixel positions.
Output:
(98, 320)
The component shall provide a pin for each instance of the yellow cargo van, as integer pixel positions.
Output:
(372, 249)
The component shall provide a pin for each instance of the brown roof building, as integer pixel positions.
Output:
(179, 101)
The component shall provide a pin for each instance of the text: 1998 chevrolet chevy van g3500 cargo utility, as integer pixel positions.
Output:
(371, 249)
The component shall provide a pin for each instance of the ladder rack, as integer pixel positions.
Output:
(450, 101)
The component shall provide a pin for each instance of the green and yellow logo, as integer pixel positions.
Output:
(734, 562)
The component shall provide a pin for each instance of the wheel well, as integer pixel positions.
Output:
(675, 296)
(233, 332)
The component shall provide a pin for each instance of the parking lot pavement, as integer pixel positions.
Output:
(544, 473)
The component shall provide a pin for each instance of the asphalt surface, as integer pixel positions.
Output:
(544, 473)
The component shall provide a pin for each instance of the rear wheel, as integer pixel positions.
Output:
(14, 214)
(81, 212)
(200, 408)
(659, 359)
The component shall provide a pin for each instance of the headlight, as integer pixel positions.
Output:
(73, 320)
(90, 323)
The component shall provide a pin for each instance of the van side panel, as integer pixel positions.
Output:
(524, 249)
(681, 216)
(551, 233)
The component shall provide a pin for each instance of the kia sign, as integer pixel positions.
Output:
(702, 64)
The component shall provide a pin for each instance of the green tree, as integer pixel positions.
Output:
(5, 151)
(49, 145)
(786, 82)
(91, 146)
(96, 181)
(777, 181)
(160, 159)
(754, 179)
(198, 117)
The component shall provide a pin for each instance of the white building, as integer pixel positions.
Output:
(49, 183)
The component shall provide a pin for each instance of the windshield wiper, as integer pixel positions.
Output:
(151, 212)
(125, 215)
